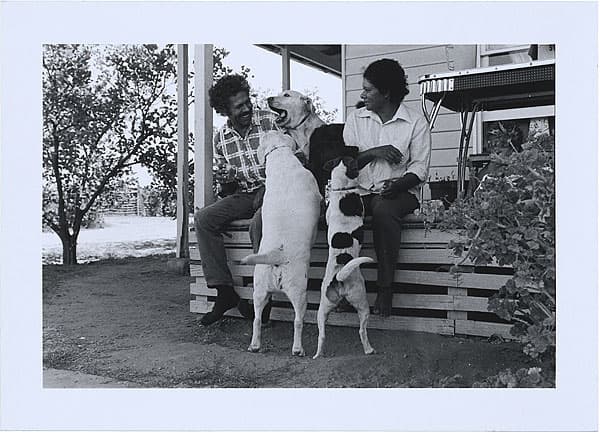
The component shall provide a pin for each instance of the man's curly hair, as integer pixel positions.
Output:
(225, 88)
(388, 77)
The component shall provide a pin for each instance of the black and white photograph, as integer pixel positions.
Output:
(244, 214)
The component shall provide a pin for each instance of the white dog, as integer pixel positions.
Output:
(290, 213)
(343, 278)
(297, 117)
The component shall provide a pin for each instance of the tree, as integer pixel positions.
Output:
(321, 108)
(220, 69)
(103, 106)
(161, 159)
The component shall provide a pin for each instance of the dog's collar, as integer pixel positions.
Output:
(302, 121)
(273, 148)
(350, 188)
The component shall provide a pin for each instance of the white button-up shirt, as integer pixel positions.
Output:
(407, 130)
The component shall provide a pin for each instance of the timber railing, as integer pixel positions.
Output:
(427, 297)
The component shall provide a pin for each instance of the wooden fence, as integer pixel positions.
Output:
(427, 297)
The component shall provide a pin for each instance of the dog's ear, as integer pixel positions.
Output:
(332, 163)
(309, 104)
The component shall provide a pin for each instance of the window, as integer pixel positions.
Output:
(494, 126)
(493, 55)
(510, 134)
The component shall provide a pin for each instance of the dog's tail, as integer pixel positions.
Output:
(351, 266)
(272, 257)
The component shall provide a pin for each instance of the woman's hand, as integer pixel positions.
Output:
(388, 153)
(391, 187)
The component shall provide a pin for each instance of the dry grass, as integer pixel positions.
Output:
(121, 236)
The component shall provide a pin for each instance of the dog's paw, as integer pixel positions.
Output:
(370, 351)
(317, 355)
(253, 349)
(298, 352)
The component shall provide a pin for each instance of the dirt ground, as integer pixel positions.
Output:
(128, 321)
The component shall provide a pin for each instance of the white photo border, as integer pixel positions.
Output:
(572, 405)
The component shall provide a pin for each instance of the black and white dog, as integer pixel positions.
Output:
(343, 279)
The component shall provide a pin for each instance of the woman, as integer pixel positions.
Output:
(394, 143)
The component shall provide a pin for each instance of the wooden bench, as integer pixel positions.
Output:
(427, 297)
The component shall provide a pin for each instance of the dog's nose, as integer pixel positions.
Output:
(269, 99)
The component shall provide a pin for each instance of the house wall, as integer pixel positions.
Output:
(417, 60)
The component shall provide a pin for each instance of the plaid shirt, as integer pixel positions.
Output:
(241, 152)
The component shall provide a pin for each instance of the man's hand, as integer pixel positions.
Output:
(225, 173)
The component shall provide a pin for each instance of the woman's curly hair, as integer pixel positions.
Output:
(225, 88)
(388, 77)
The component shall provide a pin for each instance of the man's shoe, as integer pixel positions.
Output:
(226, 300)
(245, 309)
(383, 302)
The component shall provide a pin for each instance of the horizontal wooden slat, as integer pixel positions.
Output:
(378, 50)
(433, 238)
(355, 82)
(400, 300)
(444, 157)
(410, 221)
(482, 329)
(201, 305)
(320, 255)
(465, 280)
(353, 97)
(443, 278)
(444, 140)
(447, 120)
(413, 99)
(419, 324)
(413, 72)
(471, 303)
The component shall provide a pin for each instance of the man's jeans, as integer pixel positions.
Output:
(210, 222)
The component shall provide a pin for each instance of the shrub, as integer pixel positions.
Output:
(522, 378)
(511, 219)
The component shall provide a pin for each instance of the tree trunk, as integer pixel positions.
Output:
(69, 244)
